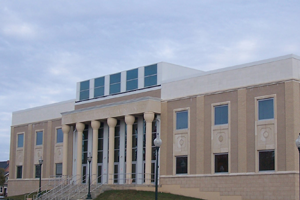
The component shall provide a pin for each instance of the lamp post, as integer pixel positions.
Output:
(157, 144)
(40, 162)
(89, 196)
(298, 146)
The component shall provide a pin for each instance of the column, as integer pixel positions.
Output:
(80, 128)
(112, 122)
(149, 116)
(95, 126)
(65, 129)
(129, 119)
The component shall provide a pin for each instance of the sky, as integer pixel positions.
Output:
(48, 46)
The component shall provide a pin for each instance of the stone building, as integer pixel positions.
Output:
(227, 134)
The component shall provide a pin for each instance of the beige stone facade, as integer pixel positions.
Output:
(218, 141)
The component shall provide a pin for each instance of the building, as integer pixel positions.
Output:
(227, 134)
(3, 188)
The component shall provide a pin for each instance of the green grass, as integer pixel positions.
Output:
(138, 195)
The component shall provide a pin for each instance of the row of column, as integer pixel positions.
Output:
(112, 122)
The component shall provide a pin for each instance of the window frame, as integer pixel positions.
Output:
(18, 140)
(36, 135)
(215, 163)
(99, 86)
(118, 83)
(131, 79)
(214, 113)
(17, 170)
(84, 90)
(187, 119)
(274, 161)
(37, 171)
(56, 174)
(56, 134)
(258, 108)
(187, 164)
(147, 76)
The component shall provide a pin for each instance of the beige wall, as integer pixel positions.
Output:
(26, 186)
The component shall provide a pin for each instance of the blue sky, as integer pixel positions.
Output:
(48, 46)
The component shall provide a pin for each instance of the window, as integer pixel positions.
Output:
(19, 171)
(84, 90)
(115, 83)
(37, 171)
(99, 87)
(39, 138)
(132, 79)
(150, 75)
(221, 114)
(266, 109)
(266, 160)
(1, 189)
(182, 120)
(85, 145)
(58, 169)
(59, 135)
(20, 140)
(181, 165)
(221, 163)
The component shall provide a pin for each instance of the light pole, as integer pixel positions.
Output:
(298, 146)
(40, 162)
(157, 143)
(89, 196)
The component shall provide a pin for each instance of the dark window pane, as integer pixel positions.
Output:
(134, 141)
(132, 74)
(115, 88)
(266, 109)
(117, 143)
(84, 158)
(19, 171)
(100, 157)
(116, 157)
(152, 172)
(134, 154)
(59, 135)
(98, 92)
(181, 165)
(20, 140)
(99, 173)
(99, 82)
(182, 120)
(37, 171)
(221, 163)
(84, 85)
(151, 70)
(39, 138)
(84, 174)
(116, 171)
(100, 144)
(150, 81)
(221, 114)
(131, 85)
(266, 160)
(84, 95)
(133, 173)
(115, 78)
(58, 169)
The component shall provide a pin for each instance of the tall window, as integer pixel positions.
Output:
(58, 169)
(132, 79)
(39, 138)
(85, 145)
(100, 152)
(117, 152)
(182, 120)
(266, 109)
(19, 171)
(115, 83)
(221, 163)
(150, 75)
(20, 140)
(99, 87)
(134, 149)
(181, 165)
(221, 114)
(59, 135)
(266, 160)
(37, 171)
(84, 90)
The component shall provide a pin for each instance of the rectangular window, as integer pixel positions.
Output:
(115, 83)
(84, 90)
(39, 138)
(182, 120)
(19, 171)
(20, 140)
(85, 145)
(150, 78)
(221, 114)
(59, 135)
(37, 171)
(266, 109)
(58, 169)
(221, 163)
(99, 87)
(181, 165)
(266, 160)
(132, 79)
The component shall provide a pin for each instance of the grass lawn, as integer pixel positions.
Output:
(138, 195)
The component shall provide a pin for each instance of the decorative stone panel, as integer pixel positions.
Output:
(181, 144)
(266, 136)
(220, 142)
(19, 157)
(58, 154)
(38, 153)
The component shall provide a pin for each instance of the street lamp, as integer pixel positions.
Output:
(298, 146)
(89, 196)
(157, 144)
(40, 162)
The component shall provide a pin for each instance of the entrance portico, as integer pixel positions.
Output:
(142, 112)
